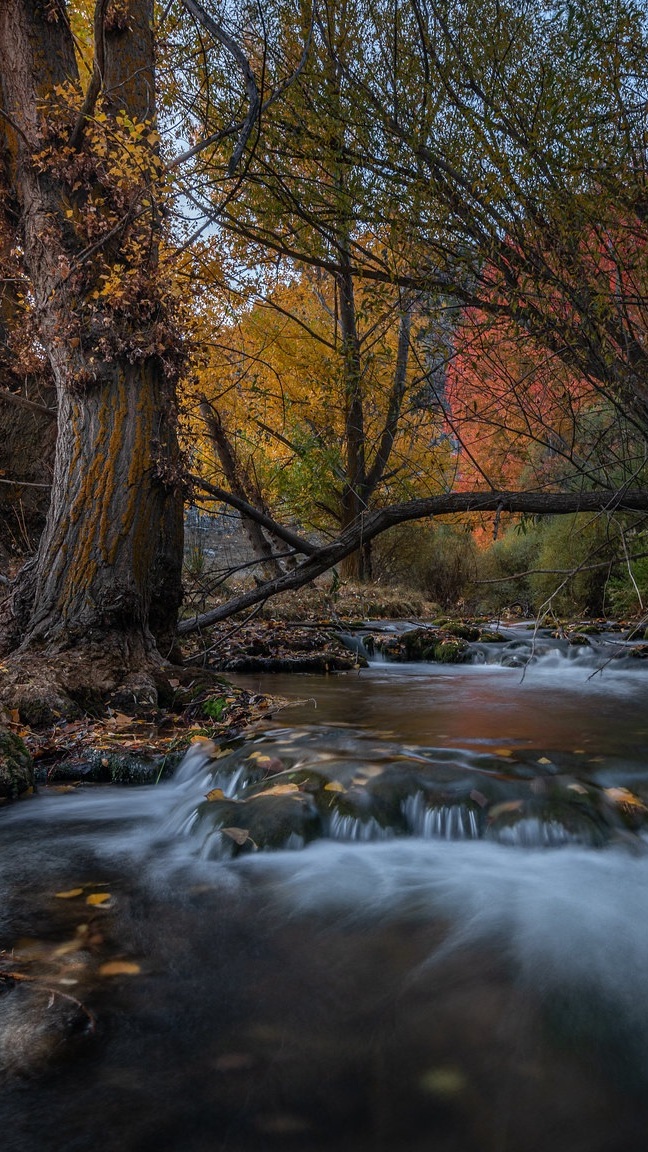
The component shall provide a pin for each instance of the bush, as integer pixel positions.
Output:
(516, 551)
(437, 561)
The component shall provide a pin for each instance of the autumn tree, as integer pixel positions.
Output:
(83, 176)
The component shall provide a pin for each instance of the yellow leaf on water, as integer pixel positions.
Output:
(334, 786)
(67, 948)
(507, 806)
(503, 751)
(216, 794)
(120, 968)
(624, 798)
(543, 760)
(97, 898)
(70, 894)
(279, 790)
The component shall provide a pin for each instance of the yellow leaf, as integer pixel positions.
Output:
(507, 806)
(216, 794)
(97, 898)
(280, 790)
(334, 786)
(238, 835)
(70, 894)
(503, 751)
(624, 798)
(120, 968)
(67, 948)
(543, 760)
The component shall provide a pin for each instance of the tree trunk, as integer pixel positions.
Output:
(116, 497)
(353, 495)
(241, 484)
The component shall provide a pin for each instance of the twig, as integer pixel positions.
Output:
(22, 977)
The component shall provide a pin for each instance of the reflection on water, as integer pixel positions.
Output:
(439, 991)
(555, 703)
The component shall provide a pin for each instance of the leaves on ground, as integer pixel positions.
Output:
(119, 968)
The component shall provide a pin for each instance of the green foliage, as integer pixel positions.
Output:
(571, 566)
(215, 708)
(437, 561)
(515, 551)
(627, 595)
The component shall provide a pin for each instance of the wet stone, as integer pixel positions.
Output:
(16, 768)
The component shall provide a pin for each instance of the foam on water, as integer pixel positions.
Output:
(566, 918)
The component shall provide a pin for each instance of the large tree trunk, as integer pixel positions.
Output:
(90, 247)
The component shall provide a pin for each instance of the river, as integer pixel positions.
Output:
(456, 985)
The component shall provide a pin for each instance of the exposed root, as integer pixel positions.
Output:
(45, 686)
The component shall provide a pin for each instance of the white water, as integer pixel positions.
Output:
(429, 992)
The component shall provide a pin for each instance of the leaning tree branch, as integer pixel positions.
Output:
(300, 545)
(19, 401)
(372, 524)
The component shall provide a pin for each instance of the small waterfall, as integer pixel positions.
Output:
(343, 827)
(440, 822)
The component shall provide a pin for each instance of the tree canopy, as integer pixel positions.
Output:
(389, 257)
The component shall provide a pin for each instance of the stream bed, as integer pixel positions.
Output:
(455, 962)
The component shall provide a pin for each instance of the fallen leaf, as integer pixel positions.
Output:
(624, 798)
(507, 806)
(543, 760)
(215, 794)
(96, 898)
(119, 968)
(279, 790)
(334, 786)
(67, 948)
(478, 797)
(70, 894)
(503, 751)
(238, 835)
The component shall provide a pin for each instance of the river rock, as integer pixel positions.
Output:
(16, 767)
(272, 819)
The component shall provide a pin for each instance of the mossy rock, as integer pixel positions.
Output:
(463, 631)
(269, 821)
(487, 636)
(451, 652)
(16, 767)
(639, 653)
(101, 766)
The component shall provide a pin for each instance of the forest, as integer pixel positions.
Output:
(323, 575)
(344, 267)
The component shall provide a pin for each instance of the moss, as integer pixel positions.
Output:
(462, 631)
(16, 767)
(450, 651)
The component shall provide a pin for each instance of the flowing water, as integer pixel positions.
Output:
(457, 961)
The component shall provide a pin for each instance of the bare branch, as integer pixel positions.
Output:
(371, 524)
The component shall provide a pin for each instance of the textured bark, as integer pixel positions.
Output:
(114, 513)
